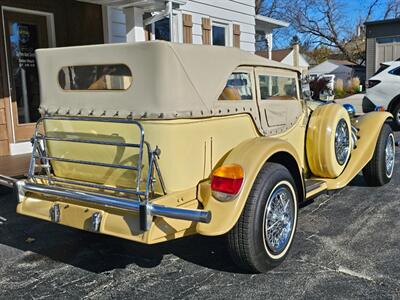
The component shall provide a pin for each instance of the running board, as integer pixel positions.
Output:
(314, 187)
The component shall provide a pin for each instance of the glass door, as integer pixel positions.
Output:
(24, 34)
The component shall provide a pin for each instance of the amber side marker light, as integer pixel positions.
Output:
(379, 108)
(226, 182)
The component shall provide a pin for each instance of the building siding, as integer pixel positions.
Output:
(376, 53)
(225, 11)
(231, 12)
(370, 57)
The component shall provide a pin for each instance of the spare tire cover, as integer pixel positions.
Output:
(320, 141)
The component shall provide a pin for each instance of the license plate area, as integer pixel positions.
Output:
(86, 218)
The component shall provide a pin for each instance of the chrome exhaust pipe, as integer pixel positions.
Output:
(149, 209)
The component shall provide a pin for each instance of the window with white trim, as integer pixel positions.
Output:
(220, 34)
(161, 29)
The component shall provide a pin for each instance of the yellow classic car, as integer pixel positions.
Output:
(155, 141)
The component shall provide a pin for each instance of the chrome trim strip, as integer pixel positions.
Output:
(55, 179)
(84, 162)
(116, 202)
(72, 140)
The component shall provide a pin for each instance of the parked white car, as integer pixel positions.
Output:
(383, 91)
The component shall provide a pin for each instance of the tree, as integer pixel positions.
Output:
(320, 54)
(327, 24)
(392, 9)
(270, 8)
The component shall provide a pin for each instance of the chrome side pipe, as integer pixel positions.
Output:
(146, 211)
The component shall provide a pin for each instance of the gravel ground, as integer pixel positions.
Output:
(347, 246)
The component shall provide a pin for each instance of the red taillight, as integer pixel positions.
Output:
(372, 83)
(226, 185)
(226, 182)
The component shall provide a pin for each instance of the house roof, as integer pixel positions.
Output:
(330, 67)
(279, 55)
(144, 4)
(342, 62)
(263, 53)
(389, 21)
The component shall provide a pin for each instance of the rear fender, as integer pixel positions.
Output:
(251, 155)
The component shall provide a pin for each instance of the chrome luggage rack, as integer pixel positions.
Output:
(132, 199)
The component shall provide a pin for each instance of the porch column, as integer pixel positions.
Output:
(134, 24)
(268, 38)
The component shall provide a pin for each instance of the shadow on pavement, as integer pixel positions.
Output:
(101, 253)
(358, 181)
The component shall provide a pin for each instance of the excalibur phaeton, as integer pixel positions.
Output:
(155, 141)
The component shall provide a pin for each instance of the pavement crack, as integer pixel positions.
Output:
(352, 273)
(341, 270)
(196, 285)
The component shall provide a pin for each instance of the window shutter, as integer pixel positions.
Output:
(187, 29)
(147, 31)
(236, 35)
(206, 30)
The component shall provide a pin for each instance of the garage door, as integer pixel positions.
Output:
(388, 49)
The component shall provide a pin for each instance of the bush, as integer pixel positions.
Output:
(355, 84)
(339, 89)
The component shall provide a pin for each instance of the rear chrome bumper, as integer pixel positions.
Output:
(146, 211)
(7, 181)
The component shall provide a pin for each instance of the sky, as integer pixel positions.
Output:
(359, 7)
(352, 10)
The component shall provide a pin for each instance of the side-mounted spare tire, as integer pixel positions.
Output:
(328, 140)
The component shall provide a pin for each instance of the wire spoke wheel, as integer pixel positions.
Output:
(342, 142)
(264, 233)
(279, 218)
(390, 155)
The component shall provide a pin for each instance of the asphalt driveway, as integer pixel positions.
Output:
(347, 246)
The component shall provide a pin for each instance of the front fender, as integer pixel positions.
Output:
(369, 127)
(251, 155)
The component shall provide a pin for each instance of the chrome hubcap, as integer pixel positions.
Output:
(342, 142)
(389, 155)
(278, 218)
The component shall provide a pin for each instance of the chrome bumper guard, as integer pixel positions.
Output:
(146, 210)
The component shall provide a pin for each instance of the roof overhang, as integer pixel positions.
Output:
(267, 23)
(146, 5)
(387, 21)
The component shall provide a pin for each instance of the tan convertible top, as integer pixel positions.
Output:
(169, 80)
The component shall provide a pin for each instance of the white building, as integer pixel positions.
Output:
(290, 56)
(341, 69)
(231, 23)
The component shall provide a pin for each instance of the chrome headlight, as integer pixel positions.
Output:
(342, 142)
(350, 110)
